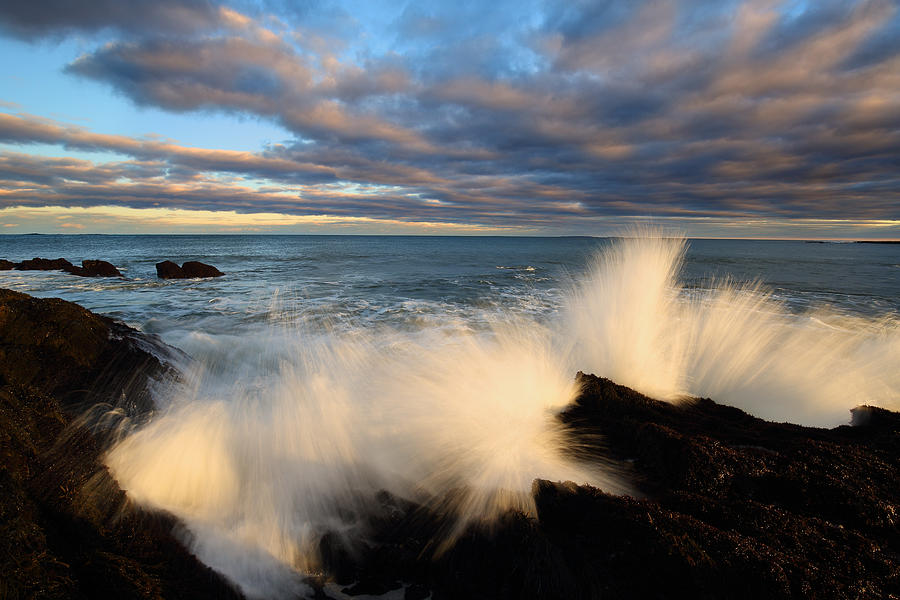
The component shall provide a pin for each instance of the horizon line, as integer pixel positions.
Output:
(424, 235)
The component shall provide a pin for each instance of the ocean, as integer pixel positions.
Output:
(326, 367)
(412, 281)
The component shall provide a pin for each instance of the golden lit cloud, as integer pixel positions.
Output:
(121, 219)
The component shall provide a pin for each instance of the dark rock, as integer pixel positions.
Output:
(169, 270)
(79, 357)
(6, 265)
(66, 530)
(376, 587)
(189, 270)
(317, 584)
(193, 268)
(733, 507)
(96, 268)
(45, 264)
(872, 416)
(88, 268)
(416, 592)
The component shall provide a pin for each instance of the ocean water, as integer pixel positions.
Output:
(412, 281)
(326, 368)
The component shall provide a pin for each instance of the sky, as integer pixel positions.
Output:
(724, 118)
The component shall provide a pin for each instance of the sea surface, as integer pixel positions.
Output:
(326, 368)
(418, 281)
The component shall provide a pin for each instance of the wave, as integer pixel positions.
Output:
(634, 322)
(275, 439)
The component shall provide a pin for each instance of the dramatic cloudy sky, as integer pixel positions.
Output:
(723, 118)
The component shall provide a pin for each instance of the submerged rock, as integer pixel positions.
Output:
(189, 270)
(66, 529)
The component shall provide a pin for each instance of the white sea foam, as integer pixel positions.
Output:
(281, 436)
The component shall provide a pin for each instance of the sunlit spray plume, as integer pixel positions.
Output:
(618, 314)
(277, 438)
(633, 321)
(261, 462)
(479, 418)
(256, 463)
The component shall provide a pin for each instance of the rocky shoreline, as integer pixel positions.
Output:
(732, 507)
(66, 529)
(727, 506)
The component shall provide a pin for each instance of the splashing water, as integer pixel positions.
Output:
(632, 321)
(275, 440)
(262, 466)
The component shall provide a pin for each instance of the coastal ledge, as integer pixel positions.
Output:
(730, 506)
(66, 529)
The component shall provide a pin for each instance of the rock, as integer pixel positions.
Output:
(612, 540)
(6, 265)
(96, 268)
(88, 268)
(44, 264)
(169, 270)
(377, 587)
(66, 530)
(875, 417)
(198, 269)
(732, 507)
(416, 592)
(79, 357)
(189, 270)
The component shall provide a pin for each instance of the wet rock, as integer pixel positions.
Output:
(79, 357)
(613, 541)
(806, 506)
(44, 264)
(88, 268)
(66, 529)
(416, 592)
(96, 268)
(169, 270)
(6, 265)
(191, 269)
(376, 587)
(872, 416)
(730, 506)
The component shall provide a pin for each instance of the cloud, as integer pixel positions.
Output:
(543, 115)
(32, 20)
(116, 219)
